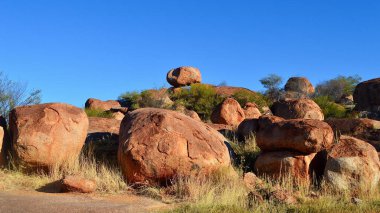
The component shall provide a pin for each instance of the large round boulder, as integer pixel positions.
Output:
(229, 112)
(299, 85)
(305, 136)
(297, 108)
(47, 135)
(97, 104)
(352, 164)
(157, 145)
(366, 96)
(183, 76)
(285, 164)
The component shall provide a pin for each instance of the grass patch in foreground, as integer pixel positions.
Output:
(108, 178)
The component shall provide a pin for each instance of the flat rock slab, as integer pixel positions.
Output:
(37, 202)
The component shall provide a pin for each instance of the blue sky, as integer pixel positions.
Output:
(75, 49)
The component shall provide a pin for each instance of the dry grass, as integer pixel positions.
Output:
(108, 178)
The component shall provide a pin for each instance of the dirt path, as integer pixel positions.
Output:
(37, 202)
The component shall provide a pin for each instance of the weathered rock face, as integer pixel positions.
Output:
(47, 135)
(93, 103)
(247, 128)
(157, 145)
(305, 136)
(297, 108)
(251, 110)
(366, 96)
(352, 164)
(282, 164)
(300, 85)
(77, 184)
(184, 76)
(229, 112)
(361, 128)
(4, 141)
(103, 134)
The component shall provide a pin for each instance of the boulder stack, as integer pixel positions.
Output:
(290, 147)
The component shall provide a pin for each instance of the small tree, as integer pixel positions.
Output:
(272, 84)
(13, 94)
(335, 88)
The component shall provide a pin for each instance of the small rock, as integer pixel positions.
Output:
(77, 184)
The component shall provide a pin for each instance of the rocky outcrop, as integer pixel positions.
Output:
(305, 136)
(97, 104)
(353, 165)
(297, 108)
(229, 112)
(47, 135)
(158, 145)
(361, 128)
(184, 76)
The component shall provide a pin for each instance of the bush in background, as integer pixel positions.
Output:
(201, 98)
(330, 108)
(98, 113)
(335, 88)
(244, 96)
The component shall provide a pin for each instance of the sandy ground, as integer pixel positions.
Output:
(20, 201)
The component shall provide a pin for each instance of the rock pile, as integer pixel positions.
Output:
(290, 146)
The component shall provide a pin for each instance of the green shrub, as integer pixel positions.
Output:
(98, 113)
(244, 96)
(329, 108)
(201, 98)
(131, 99)
(147, 98)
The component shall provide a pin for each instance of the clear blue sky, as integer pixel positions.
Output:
(75, 49)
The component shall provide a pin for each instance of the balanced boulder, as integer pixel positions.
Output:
(184, 76)
(47, 135)
(297, 108)
(97, 104)
(299, 85)
(352, 164)
(305, 136)
(229, 112)
(158, 145)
